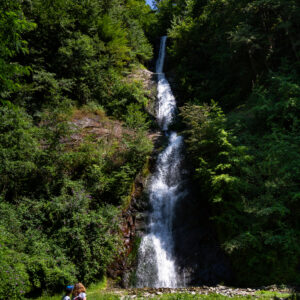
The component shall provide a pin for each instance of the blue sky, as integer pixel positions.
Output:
(149, 2)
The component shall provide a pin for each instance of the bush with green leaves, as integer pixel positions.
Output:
(252, 215)
(60, 208)
(214, 158)
(14, 278)
(13, 25)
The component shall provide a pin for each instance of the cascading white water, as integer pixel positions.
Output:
(156, 263)
(166, 99)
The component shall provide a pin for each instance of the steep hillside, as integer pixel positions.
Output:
(243, 147)
(74, 133)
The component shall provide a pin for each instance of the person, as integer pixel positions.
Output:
(69, 290)
(79, 292)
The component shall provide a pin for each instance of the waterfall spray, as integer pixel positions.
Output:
(156, 261)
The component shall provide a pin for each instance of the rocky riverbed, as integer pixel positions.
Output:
(274, 292)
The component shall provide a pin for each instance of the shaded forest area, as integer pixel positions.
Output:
(244, 145)
(63, 183)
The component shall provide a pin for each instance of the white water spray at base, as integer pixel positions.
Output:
(156, 262)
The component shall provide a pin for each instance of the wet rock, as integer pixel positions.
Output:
(140, 226)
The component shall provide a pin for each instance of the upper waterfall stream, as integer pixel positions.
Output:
(156, 261)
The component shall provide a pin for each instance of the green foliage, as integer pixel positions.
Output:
(18, 151)
(252, 214)
(14, 278)
(61, 189)
(90, 44)
(12, 26)
(186, 296)
(245, 55)
(231, 44)
(211, 152)
(276, 105)
(135, 118)
(60, 206)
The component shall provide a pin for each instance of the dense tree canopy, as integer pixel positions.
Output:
(245, 55)
(12, 25)
(63, 188)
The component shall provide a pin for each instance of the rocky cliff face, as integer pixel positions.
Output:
(132, 226)
(134, 222)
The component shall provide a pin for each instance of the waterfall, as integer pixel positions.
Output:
(156, 261)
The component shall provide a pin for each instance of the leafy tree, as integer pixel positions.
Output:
(12, 25)
(244, 54)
